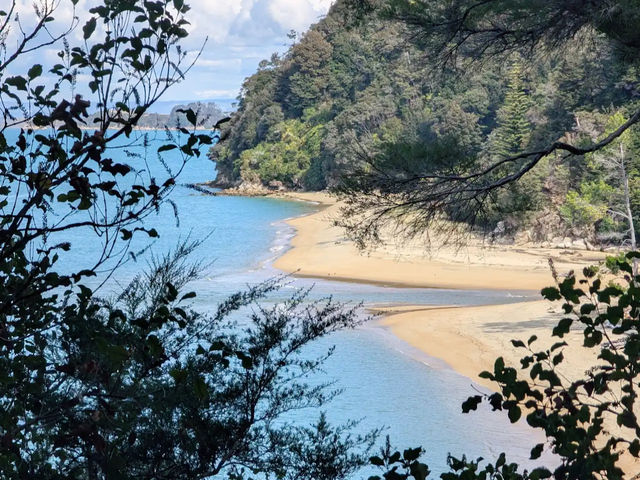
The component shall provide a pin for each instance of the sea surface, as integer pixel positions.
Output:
(385, 382)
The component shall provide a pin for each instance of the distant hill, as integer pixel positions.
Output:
(208, 116)
(227, 105)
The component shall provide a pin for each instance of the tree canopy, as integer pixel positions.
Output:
(136, 385)
(431, 108)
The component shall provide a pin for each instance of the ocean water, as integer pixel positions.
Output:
(385, 382)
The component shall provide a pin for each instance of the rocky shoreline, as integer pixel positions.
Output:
(244, 189)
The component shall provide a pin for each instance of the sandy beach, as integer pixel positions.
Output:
(321, 250)
(468, 339)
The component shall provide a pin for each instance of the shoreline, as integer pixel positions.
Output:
(464, 339)
(321, 250)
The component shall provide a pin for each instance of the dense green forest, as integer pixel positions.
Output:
(353, 88)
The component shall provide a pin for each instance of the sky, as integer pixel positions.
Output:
(238, 35)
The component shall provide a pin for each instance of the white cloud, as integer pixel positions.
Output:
(240, 33)
(294, 14)
(235, 20)
(222, 94)
(219, 63)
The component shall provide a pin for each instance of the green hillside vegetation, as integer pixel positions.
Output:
(352, 89)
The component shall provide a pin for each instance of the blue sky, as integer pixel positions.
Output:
(239, 33)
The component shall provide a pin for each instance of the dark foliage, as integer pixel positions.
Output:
(138, 386)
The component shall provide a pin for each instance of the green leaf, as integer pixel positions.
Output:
(537, 451)
(247, 362)
(634, 448)
(19, 82)
(587, 308)
(167, 147)
(625, 267)
(540, 473)
(514, 414)
(563, 327)
(411, 454)
(558, 358)
(628, 419)
(217, 345)
(85, 204)
(89, 28)
(85, 291)
(172, 292)
(498, 366)
(35, 71)
(191, 116)
(471, 403)
(551, 293)
(592, 337)
(557, 345)
(419, 471)
(189, 295)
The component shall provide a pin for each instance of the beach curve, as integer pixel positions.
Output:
(467, 339)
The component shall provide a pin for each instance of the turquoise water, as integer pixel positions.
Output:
(385, 382)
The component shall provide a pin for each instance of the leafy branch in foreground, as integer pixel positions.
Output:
(485, 28)
(143, 386)
(413, 187)
(591, 421)
(58, 176)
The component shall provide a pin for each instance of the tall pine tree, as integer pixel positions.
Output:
(511, 137)
(512, 133)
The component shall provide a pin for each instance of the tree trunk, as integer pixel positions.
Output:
(627, 205)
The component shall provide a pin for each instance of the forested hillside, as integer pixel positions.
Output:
(352, 89)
